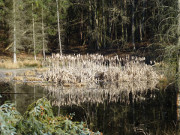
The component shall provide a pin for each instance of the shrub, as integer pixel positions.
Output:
(38, 120)
(9, 116)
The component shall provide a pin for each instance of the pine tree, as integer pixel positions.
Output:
(16, 23)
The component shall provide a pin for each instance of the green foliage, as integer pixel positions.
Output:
(38, 120)
(1, 9)
(170, 60)
(9, 116)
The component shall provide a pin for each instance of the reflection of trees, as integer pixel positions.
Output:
(20, 94)
(4, 88)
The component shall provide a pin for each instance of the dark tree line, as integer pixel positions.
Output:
(32, 26)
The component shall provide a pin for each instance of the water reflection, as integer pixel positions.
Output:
(155, 114)
(21, 95)
(120, 109)
(123, 109)
(178, 106)
(124, 92)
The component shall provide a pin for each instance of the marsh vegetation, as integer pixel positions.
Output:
(88, 69)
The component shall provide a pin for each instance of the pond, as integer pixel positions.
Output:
(109, 109)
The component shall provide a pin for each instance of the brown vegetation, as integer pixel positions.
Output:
(29, 73)
(9, 74)
(85, 69)
(18, 78)
(23, 61)
(33, 79)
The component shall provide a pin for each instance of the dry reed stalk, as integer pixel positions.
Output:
(41, 70)
(18, 78)
(31, 63)
(30, 73)
(33, 79)
(6, 79)
(8, 73)
(95, 68)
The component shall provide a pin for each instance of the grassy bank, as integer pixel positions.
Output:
(23, 61)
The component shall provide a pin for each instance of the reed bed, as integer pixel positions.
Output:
(95, 68)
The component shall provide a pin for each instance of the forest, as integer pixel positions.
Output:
(78, 26)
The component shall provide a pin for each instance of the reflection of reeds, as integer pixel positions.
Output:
(94, 68)
(95, 94)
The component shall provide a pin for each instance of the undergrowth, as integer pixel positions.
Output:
(38, 120)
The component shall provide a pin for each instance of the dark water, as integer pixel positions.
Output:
(149, 112)
(20, 94)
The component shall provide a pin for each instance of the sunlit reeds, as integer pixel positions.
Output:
(98, 68)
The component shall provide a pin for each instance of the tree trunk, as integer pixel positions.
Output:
(142, 21)
(133, 26)
(14, 34)
(104, 26)
(178, 46)
(126, 25)
(96, 24)
(122, 25)
(140, 31)
(144, 15)
(34, 37)
(90, 15)
(59, 30)
(81, 28)
(44, 55)
(123, 8)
